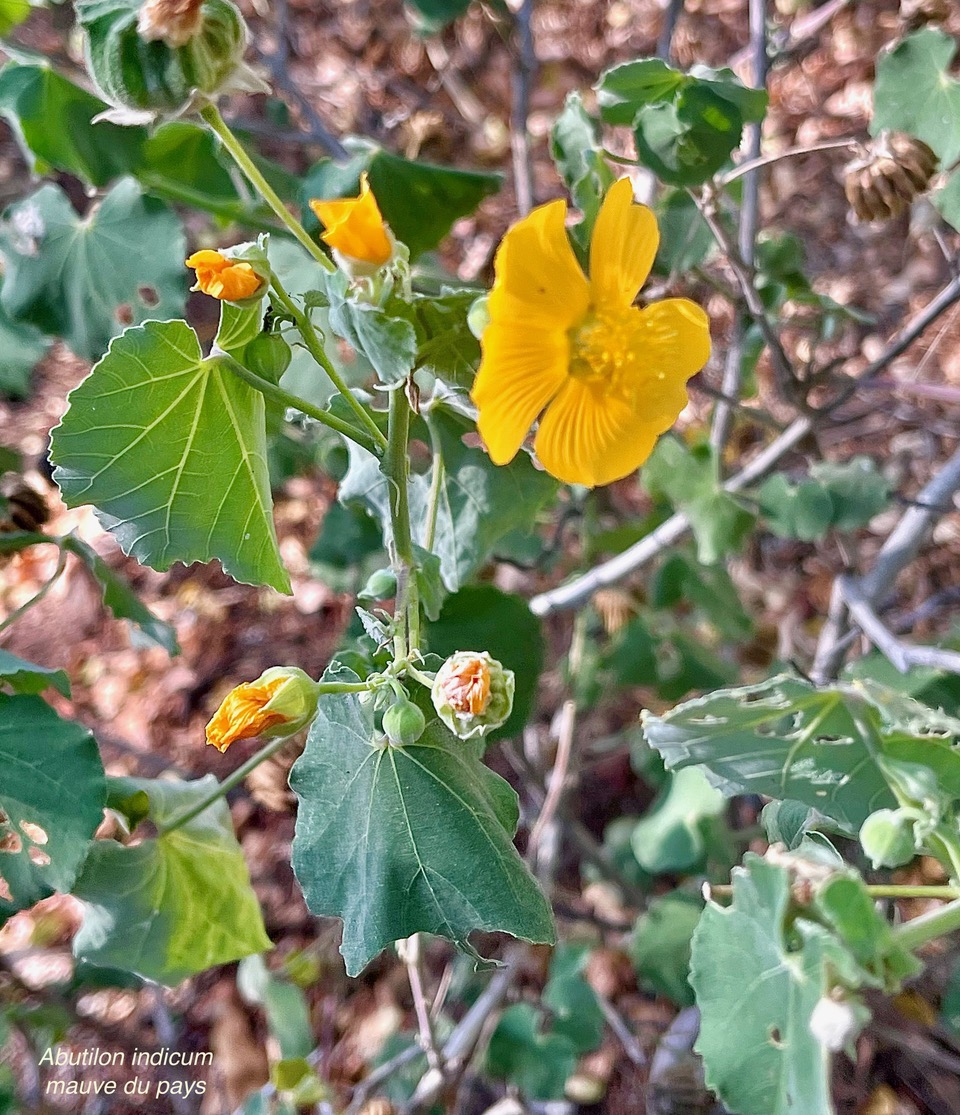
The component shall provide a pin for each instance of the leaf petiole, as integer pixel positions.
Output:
(287, 399)
(211, 114)
(315, 347)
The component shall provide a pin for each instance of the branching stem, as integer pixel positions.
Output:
(314, 344)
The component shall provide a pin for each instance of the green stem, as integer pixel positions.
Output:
(211, 114)
(234, 779)
(927, 927)
(40, 593)
(285, 398)
(396, 468)
(436, 484)
(315, 347)
(879, 890)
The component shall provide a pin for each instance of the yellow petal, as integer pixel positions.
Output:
(354, 226)
(623, 247)
(595, 431)
(523, 367)
(675, 342)
(590, 437)
(538, 280)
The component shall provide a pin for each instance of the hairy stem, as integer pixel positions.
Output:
(40, 593)
(315, 347)
(211, 114)
(928, 927)
(396, 468)
(285, 398)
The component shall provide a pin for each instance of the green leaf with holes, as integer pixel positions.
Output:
(85, 278)
(827, 748)
(398, 841)
(51, 800)
(773, 973)
(170, 448)
(175, 904)
(915, 93)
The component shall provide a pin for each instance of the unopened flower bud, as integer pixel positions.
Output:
(472, 693)
(268, 355)
(893, 170)
(354, 228)
(228, 277)
(403, 723)
(280, 702)
(381, 585)
(165, 58)
(887, 838)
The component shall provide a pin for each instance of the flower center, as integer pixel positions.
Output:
(607, 350)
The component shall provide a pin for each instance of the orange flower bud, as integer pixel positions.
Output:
(280, 702)
(354, 227)
(472, 693)
(230, 280)
(466, 685)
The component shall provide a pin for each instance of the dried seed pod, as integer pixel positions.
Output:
(917, 13)
(26, 509)
(892, 170)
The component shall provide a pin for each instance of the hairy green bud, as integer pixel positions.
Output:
(403, 723)
(887, 838)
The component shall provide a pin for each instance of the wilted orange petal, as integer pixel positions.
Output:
(241, 714)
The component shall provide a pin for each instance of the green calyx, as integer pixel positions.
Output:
(147, 76)
(403, 723)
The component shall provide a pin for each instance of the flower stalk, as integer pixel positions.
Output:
(219, 126)
(396, 468)
(294, 402)
(314, 345)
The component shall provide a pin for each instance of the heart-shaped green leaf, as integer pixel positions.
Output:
(171, 450)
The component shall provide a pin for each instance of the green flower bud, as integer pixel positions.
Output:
(159, 58)
(478, 316)
(268, 355)
(472, 693)
(381, 585)
(403, 723)
(887, 838)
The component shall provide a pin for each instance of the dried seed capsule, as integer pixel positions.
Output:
(892, 170)
(26, 509)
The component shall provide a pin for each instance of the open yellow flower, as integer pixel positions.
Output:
(354, 226)
(280, 702)
(230, 280)
(605, 377)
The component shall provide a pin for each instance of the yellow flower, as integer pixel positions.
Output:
(230, 280)
(606, 377)
(280, 702)
(354, 226)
